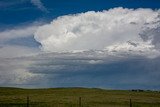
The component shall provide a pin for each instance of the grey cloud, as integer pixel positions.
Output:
(13, 72)
(76, 69)
(114, 75)
(133, 72)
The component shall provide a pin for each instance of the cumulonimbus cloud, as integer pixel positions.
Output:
(113, 29)
(102, 36)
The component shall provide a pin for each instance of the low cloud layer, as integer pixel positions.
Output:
(94, 69)
(116, 29)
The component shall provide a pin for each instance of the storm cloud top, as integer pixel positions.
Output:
(116, 29)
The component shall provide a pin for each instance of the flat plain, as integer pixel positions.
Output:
(77, 97)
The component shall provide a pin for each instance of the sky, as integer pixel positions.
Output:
(110, 44)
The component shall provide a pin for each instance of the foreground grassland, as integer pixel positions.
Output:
(69, 97)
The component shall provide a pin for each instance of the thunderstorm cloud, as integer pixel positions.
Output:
(115, 48)
(117, 29)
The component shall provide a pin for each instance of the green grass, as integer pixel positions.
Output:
(69, 97)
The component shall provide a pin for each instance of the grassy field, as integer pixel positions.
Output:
(69, 97)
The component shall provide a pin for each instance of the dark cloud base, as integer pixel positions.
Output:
(135, 73)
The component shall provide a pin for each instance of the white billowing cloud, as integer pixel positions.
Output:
(39, 5)
(97, 30)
